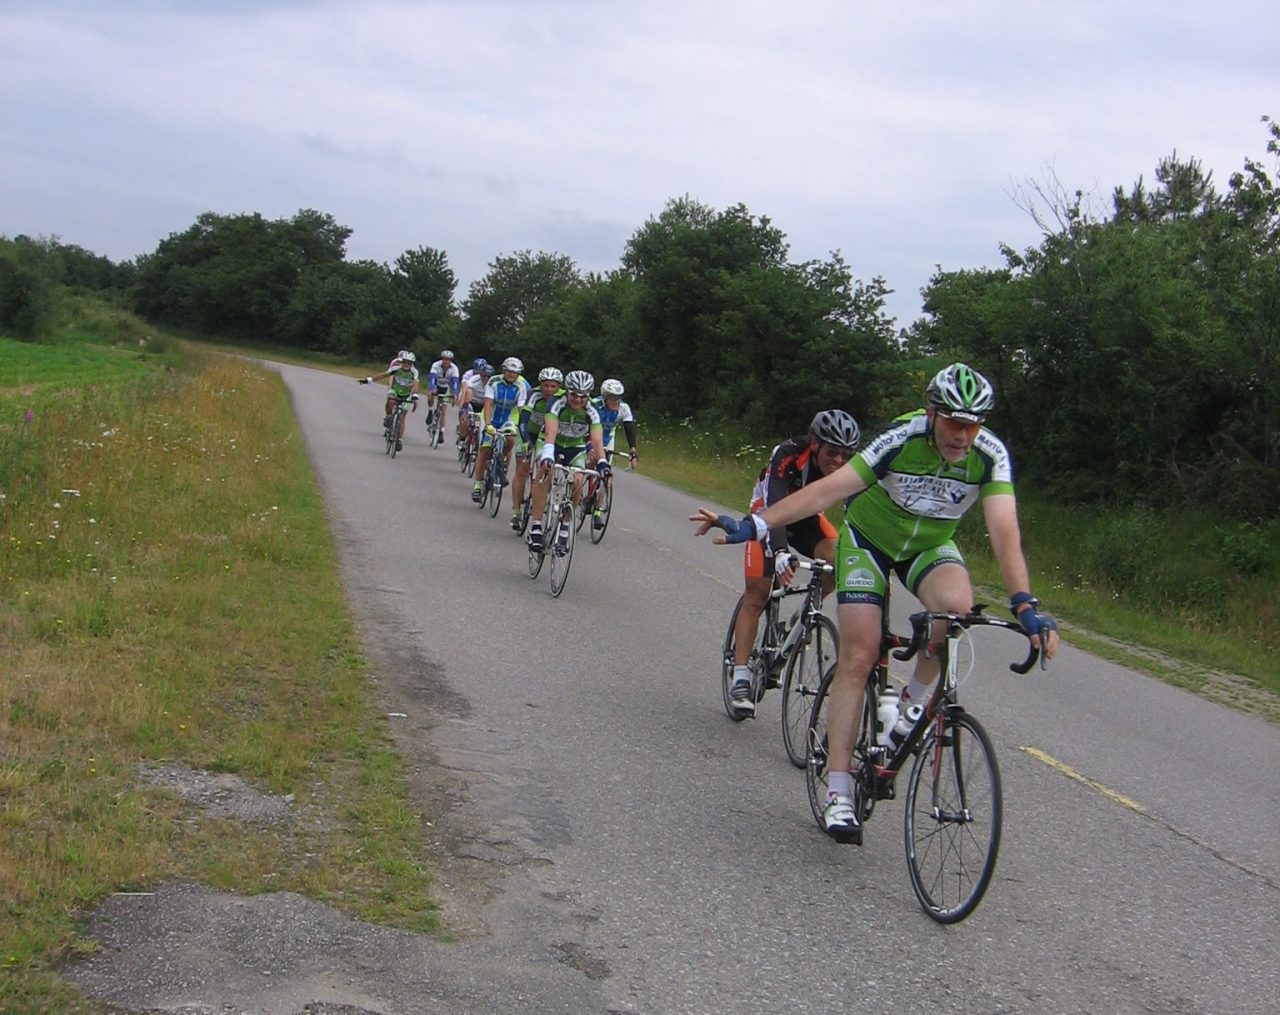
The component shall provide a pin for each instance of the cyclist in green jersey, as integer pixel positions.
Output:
(403, 377)
(909, 488)
(530, 414)
(571, 426)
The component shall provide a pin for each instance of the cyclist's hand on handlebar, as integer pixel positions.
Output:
(604, 469)
(635, 459)
(783, 567)
(414, 399)
(1040, 627)
(488, 430)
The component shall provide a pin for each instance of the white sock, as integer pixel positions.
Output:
(741, 673)
(838, 784)
(916, 691)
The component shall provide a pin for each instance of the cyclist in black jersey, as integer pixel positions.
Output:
(832, 439)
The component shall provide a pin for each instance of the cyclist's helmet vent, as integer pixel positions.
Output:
(408, 357)
(959, 390)
(513, 363)
(837, 427)
(446, 354)
(550, 374)
(612, 387)
(579, 382)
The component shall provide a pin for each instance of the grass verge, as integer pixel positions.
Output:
(171, 594)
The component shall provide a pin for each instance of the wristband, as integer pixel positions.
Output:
(1021, 599)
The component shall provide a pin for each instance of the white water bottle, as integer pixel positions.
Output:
(886, 716)
(905, 724)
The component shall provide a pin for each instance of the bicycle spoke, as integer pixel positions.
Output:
(804, 674)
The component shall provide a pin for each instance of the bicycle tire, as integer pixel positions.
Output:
(754, 662)
(805, 669)
(462, 456)
(815, 767)
(562, 555)
(536, 559)
(606, 509)
(952, 835)
(526, 508)
(497, 480)
(587, 505)
(393, 436)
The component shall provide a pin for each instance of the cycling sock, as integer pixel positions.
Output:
(838, 784)
(741, 673)
(916, 691)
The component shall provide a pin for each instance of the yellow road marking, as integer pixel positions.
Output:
(1071, 773)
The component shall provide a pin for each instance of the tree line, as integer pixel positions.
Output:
(1135, 350)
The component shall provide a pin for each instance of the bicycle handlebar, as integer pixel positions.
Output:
(920, 623)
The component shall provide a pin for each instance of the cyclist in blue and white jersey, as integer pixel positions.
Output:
(471, 394)
(613, 410)
(501, 396)
(443, 383)
(529, 416)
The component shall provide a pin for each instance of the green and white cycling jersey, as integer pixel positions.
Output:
(402, 379)
(915, 498)
(573, 426)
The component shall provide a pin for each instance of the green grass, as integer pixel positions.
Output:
(148, 515)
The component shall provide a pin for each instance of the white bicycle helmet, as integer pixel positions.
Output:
(960, 391)
(408, 357)
(612, 387)
(513, 363)
(579, 382)
(550, 374)
(446, 354)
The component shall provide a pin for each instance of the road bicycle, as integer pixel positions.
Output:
(435, 428)
(392, 431)
(597, 496)
(794, 653)
(495, 473)
(558, 527)
(952, 820)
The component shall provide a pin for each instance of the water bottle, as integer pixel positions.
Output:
(886, 716)
(905, 724)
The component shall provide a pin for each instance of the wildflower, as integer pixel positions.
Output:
(29, 416)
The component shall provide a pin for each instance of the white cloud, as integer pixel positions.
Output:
(891, 131)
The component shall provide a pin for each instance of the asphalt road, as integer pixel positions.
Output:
(639, 852)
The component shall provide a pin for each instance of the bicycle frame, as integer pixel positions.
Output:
(776, 655)
(944, 697)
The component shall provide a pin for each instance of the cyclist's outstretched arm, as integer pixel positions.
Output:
(808, 500)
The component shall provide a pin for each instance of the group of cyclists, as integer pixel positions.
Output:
(560, 420)
(904, 494)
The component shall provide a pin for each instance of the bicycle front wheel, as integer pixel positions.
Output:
(394, 434)
(953, 818)
(604, 504)
(498, 479)
(805, 670)
(561, 549)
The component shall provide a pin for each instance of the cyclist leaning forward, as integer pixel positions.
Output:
(501, 396)
(471, 395)
(909, 488)
(402, 384)
(529, 416)
(571, 426)
(795, 463)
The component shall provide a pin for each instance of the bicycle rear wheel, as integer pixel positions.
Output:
(805, 669)
(526, 508)
(561, 549)
(587, 503)
(816, 762)
(604, 503)
(393, 434)
(537, 557)
(953, 818)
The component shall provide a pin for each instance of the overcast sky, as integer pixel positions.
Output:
(895, 132)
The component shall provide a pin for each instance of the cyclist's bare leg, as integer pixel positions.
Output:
(755, 596)
(541, 487)
(945, 589)
(859, 651)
